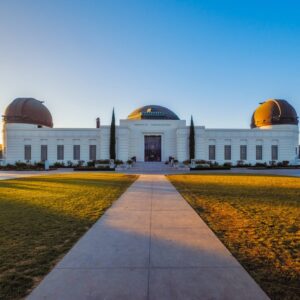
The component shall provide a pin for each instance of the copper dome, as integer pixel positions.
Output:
(152, 112)
(274, 112)
(28, 111)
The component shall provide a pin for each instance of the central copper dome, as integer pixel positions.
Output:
(28, 111)
(152, 112)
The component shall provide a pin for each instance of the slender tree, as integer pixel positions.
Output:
(192, 139)
(112, 145)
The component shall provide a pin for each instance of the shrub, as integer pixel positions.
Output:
(80, 163)
(227, 164)
(119, 162)
(91, 163)
(240, 163)
(58, 164)
(20, 165)
(261, 164)
(102, 161)
(201, 162)
(40, 164)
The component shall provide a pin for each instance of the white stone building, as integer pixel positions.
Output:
(151, 133)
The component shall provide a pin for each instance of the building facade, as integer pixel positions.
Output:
(150, 133)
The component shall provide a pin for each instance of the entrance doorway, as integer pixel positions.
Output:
(152, 148)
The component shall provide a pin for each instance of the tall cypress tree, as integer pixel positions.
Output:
(112, 145)
(192, 139)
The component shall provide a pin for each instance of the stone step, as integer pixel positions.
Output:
(153, 168)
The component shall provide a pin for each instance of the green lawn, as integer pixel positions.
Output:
(42, 217)
(258, 219)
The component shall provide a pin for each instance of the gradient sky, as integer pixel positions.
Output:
(214, 59)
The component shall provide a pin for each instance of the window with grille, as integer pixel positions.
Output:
(27, 152)
(60, 152)
(93, 152)
(227, 152)
(274, 152)
(259, 152)
(211, 152)
(243, 152)
(44, 152)
(76, 152)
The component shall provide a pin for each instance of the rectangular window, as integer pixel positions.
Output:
(243, 152)
(76, 152)
(212, 152)
(274, 152)
(44, 152)
(259, 152)
(227, 152)
(27, 152)
(60, 152)
(93, 152)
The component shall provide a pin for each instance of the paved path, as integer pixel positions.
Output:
(149, 245)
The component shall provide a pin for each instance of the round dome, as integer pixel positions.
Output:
(274, 112)
(152, 112)
(28, 111)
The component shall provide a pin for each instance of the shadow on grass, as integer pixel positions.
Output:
(97, 180)
(32, 238)
(42, 217)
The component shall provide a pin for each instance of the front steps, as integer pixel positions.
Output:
(153, 168)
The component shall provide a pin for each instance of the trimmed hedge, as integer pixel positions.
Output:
(210, 168)
(94, 169)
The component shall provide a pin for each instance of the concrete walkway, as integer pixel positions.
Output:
(149, 245)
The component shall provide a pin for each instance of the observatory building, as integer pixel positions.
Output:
(150, 133)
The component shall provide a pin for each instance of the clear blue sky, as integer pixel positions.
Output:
(214, 59)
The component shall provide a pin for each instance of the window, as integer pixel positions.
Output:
(27, 152)
(227, 152)
(211, 152)
(76, 152)
(274, 151)
(60, 152)
(259, 152)
(243, 152)
(44, 152)
(93, 152)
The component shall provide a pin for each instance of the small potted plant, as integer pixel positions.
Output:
(129, 163)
